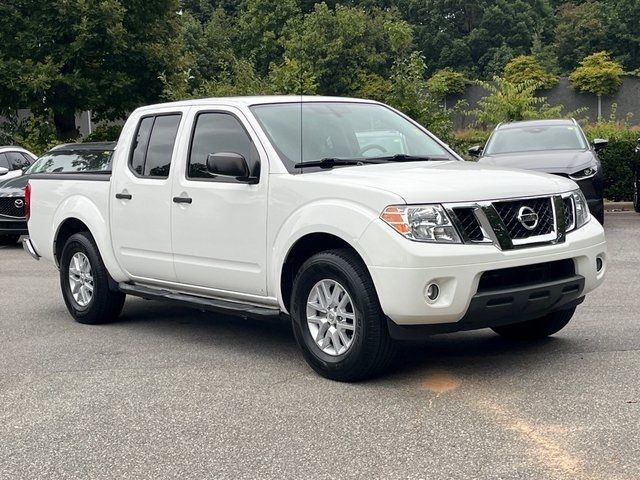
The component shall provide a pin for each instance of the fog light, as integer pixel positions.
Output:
(599, 264)
(432, 292)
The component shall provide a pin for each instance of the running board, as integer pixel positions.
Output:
(210, 304)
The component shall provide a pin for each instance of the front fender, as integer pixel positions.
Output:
(346, 220)
(82, 208)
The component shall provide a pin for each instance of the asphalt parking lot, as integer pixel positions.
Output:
(170, 392)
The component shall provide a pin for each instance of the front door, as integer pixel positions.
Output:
(219, 237)
(141, 199)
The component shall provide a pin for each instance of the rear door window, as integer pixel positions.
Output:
(17, 161)
(153, 147)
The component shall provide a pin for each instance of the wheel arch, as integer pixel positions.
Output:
(302, 249)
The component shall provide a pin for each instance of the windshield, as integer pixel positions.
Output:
(529, 139)
(70, 162)
(307, 132)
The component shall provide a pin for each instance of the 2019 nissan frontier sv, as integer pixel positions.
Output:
(344, 214)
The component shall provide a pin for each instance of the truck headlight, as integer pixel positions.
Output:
(422, 223)
(585, 173)
(582, 208)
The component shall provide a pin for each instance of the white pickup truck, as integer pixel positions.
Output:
(343, 214)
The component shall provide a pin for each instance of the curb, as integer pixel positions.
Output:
(618, 206)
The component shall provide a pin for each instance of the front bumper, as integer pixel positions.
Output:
(10, 226)
(408, 267)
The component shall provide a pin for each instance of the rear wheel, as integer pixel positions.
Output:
(337, 319)
(9, 239)
(538, 328)
(85, 282)
(636, 192)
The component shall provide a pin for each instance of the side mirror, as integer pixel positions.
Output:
(599, 143)
(476, 150)
(229, 164)
(3, 171)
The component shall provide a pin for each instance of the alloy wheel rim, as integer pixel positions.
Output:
(331, 317)
(81, 279)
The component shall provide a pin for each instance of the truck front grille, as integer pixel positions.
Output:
(469, 223)
(509, 212)
(515, 223)
(12, 207)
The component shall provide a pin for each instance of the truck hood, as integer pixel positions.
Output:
(557, 161)
(451, 181)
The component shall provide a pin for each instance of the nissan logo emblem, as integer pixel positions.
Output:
(19, 203)
(528, 218)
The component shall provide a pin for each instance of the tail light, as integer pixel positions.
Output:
(27, 201)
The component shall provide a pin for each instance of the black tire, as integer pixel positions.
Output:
(10, 239)
(371, 350)
(538, 328)
(105, 304)
(636, 192)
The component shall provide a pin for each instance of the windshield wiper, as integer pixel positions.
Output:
(402, 157)
(332, 162)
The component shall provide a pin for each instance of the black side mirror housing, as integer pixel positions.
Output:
(476, 151)
(231, 165)
(599, 143)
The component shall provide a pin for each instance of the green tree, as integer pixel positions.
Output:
(478, 37)
(574, 18)
(446, 82)
(507, 102)
(527, 67)
(597, 74)
(62, 56)
(338, 45)
(260, 25)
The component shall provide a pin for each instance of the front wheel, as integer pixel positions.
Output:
(85, 282)
(337, 319)
(537, 328)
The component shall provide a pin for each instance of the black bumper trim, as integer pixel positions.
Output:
(502, 307)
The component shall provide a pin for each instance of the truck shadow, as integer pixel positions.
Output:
(479, 351)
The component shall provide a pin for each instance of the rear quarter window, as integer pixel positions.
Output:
(72, 162)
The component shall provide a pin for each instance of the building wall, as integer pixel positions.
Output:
(627, 100)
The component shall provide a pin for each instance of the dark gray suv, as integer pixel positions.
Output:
(559, 147)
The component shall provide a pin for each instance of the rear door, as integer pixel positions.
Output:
(141, 198)
(219, 237)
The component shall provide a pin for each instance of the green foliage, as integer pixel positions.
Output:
(616, 158)
(597, 74)
(462, 140)
(36, 134)
(260, 25)
(337, 45)
(408, 93)
(507, 102)
(447, 82)
(289, 77)
(528, 68)
(477, 37)
(104, 133)
(62, 56)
